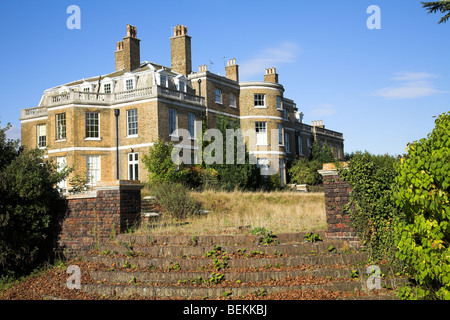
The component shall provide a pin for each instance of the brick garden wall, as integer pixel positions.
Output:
(90, 218)
(337, 195)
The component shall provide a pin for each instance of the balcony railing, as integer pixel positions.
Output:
(109, 98)
(33, 112)
(328, 132)
(182, 96)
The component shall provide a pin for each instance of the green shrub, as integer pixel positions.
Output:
(175, 199)
(159, 163)
(371, 207)
(27, 209)
(422, 192)
(304, 171)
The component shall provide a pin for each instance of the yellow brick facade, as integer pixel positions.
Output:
(144, 93)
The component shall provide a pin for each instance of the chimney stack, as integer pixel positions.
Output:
(317, 123)
(180, 45)
(271, 75)
(232, 70)
(128, 55)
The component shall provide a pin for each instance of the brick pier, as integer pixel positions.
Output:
(337, 195)
(91, 217)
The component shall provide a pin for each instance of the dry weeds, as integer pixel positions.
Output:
(238, 212)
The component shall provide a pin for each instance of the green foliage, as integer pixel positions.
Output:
(27, 209)
(373, 211)
(159, 163)
(78, 182)
(304, 171)
(215, 278)
(241, 174)
(9, 149)
(267, 237)
(175, 199)
(321, 152)
(442, 6)
(422, 192)
(312, 237)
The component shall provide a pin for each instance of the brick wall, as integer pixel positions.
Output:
(337, 195)
(91, 218)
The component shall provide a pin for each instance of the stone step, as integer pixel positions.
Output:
(210, 240)
(174, 277)
(197, 264)
(305, 248)
(191, 292)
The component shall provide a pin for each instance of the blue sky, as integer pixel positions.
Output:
(380, 87)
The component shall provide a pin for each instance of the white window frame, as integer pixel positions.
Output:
(133, 165)
(191, 125)
(259, 98)
(218, 96)
(107, 81)
(129, 84)
(279, 103)
(61, 164)
(93, 170)
(263, 165)
(128, 77)
(61, 128)
(110, 87)
(261, 133)
(41, 131)
(133, 134)
(85, 127)
(173, 120)
(233, 100)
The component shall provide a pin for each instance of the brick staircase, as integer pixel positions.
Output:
(229, 266)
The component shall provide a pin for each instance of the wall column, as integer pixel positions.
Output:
(337, 195)
(89, 218)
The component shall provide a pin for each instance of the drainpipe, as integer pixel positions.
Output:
(116, 113)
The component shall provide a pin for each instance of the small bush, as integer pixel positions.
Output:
(175, 199)
(304, 171)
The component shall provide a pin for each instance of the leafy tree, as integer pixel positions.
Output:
(27, 209)
(422, 192)
(304, 171)
(241, 174)
(159, 163)
(9, 149)
(321, 152)
(441, 6)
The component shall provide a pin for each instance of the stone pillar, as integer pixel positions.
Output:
(89, 218)
(337, 195)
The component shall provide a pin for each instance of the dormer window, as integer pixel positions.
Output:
(107, 88)
(163, 80)
(129, 84)
(181, 86)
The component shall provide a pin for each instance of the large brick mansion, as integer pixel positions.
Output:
(104, 125)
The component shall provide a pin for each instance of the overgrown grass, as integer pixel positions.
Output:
(238, 212)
